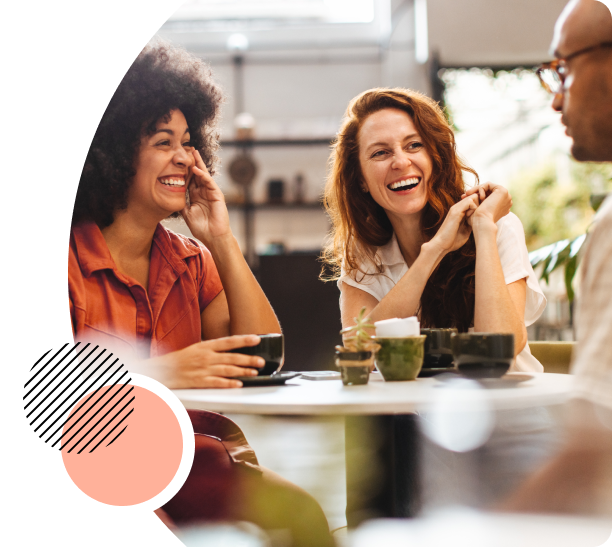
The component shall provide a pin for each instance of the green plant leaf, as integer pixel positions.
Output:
(558, 256)
(570, 272)
(540, 255)
(577, 245)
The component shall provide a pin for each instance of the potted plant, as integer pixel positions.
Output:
(356, 358)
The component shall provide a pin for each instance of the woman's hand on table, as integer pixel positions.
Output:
(207, 365)
(206, 215)
(455, 229)
(495, 203)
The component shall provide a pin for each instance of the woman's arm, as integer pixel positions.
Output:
(498, 307)
(404, 299)
(242, 307)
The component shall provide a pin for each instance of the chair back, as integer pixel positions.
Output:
(554, 356)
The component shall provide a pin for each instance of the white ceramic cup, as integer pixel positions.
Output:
(397, 328)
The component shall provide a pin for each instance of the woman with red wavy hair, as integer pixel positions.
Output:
(409, 239)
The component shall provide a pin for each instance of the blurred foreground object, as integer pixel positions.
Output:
(579, 478)
(463, 528)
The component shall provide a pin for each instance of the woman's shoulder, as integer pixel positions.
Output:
(510, 222)
(510, 232)
(181, 244)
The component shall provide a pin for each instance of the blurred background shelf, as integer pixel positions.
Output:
(278, 142)
(316, 206)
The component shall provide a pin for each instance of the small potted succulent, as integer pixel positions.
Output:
(356, 358)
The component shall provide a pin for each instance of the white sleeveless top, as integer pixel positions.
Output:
(515, 265)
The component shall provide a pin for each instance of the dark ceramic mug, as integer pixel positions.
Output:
(438, 349)
(483, 355)
(271, 347)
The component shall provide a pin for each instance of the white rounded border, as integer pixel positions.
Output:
(56, 462)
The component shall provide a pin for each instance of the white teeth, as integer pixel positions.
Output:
(173, 182)
(407, 182)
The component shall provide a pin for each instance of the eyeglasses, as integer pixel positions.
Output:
(552, 75)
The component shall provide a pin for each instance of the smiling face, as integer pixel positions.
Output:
(395, 165)
(163, 168)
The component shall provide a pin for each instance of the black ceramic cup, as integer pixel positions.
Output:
(271, 347)
(438, 350)
(483, 355)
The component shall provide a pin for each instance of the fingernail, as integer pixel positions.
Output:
(261, 362)
(237, 383)
(253, 373)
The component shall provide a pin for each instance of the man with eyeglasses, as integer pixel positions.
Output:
(579, 478)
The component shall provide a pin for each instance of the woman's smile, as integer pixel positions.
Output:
(405, 185)
(173, 183)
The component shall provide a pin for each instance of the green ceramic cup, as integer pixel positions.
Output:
(400, 359)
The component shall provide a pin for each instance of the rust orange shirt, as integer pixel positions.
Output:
(108, 305)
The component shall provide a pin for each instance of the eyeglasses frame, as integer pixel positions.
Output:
(562, 62)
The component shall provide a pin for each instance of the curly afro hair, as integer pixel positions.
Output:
(161, 79)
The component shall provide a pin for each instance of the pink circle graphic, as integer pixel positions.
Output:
(134, 462)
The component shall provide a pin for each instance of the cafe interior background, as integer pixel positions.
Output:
(289, 68)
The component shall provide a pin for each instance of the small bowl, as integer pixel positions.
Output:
(438, 349)
(400, 359)
(483, 355)
(271, 347)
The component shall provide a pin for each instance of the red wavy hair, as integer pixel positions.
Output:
(360, 225)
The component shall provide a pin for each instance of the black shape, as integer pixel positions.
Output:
(90, 364)
(42, 369)
(88, 355)
(97, 423)
(113, 429)
(103, 427)
(118, 435)
(34, 365)
(306, 307)
(85, 385)
(83, 349)
(89, 409)
(382, 467)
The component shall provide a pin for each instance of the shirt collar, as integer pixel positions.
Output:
(94, 254)
(390, 254)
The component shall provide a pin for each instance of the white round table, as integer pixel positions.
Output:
(381, 425)
(330, 397)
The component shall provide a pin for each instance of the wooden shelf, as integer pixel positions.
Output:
(317, 205)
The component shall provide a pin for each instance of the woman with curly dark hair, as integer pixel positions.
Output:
(408, 239)
(177, 303)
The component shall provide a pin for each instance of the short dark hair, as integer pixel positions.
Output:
(163, 78)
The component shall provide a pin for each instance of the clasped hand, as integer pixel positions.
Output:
(480, 208)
